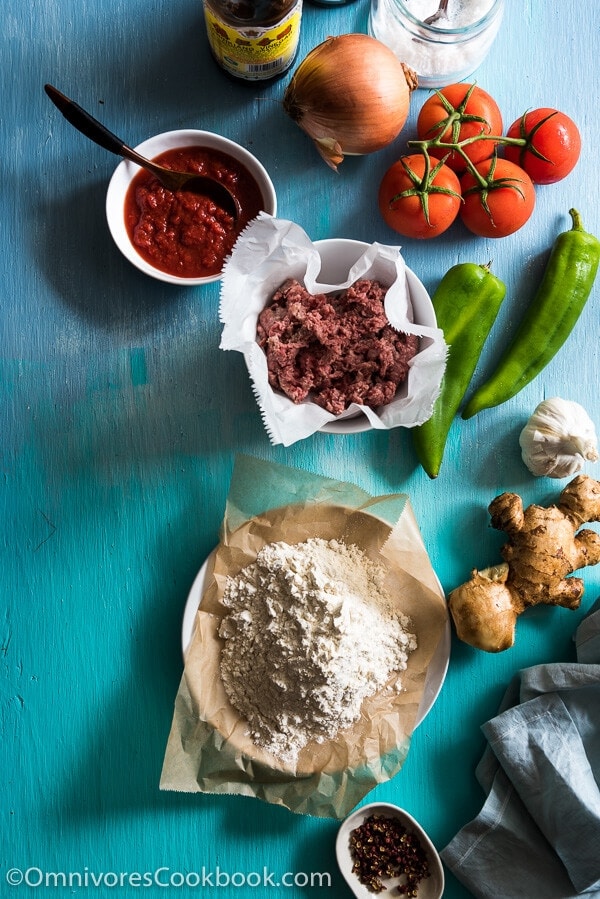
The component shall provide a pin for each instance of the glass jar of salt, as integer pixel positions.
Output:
(444, 51)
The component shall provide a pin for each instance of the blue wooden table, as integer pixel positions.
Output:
(121, 420)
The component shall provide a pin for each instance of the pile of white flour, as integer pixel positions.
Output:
(310, 633)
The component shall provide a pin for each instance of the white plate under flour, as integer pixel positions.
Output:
(436, 672)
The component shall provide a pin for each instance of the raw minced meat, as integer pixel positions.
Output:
(334, 349)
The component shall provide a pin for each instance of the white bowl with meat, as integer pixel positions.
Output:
(338, 255)
(338, 335)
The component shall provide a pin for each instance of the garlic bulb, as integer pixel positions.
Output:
(558, 438)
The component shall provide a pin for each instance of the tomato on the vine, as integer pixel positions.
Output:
(501, 202)
(419, 197)
(456, 113)
(553, 145)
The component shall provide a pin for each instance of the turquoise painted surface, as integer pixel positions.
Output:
(121, 420)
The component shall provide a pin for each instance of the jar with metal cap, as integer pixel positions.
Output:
(445, 51)
(253, 40)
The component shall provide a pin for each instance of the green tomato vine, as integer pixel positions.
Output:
(455, 118)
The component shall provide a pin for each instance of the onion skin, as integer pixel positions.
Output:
(351, 95)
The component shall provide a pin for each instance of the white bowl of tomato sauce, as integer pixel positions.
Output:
(184, 238)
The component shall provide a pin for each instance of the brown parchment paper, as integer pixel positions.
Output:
(208, 749)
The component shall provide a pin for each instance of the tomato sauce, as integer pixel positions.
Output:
(186, 234)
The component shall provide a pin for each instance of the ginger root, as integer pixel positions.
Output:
(543, 549)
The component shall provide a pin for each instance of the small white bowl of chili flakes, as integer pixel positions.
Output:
(184, 238)
(382, 850)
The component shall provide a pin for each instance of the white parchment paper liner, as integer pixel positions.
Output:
(209, 750)
(271, 250)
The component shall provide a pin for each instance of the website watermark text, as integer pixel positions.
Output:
(165, 877)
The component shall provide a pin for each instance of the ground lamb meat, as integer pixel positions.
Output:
(338, 347)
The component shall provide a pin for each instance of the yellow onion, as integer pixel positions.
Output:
(351, 95)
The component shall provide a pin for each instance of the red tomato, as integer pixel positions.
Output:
(553, 145)
(458, 112)
(503, 205)
(417, 203)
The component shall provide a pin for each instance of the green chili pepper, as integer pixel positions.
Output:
(466, 304)
(558, 302)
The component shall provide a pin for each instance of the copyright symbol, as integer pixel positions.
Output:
(14, 876)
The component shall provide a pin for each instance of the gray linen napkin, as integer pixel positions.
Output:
(538, 834)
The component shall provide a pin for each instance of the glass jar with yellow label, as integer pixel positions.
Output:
(253, 40)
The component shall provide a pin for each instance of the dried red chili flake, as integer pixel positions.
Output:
(384, 847)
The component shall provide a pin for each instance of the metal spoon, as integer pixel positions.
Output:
(174, 181)
(440, 14)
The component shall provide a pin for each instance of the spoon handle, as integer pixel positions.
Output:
(95, 130)
(85, 122)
